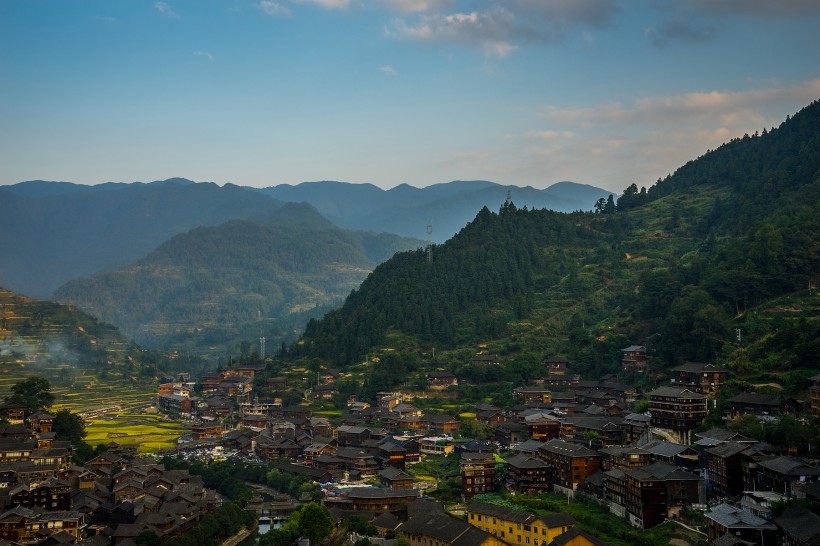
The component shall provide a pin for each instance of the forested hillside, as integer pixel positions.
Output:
(712, 263)
(218, 285)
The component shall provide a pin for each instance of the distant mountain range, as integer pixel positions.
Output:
(447, 207)
(53, 232)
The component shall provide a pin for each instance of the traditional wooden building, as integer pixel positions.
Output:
(698, 377)
(394, 478)
(724, 469)
(724, 519)
(477, 473)
(800, 527)
(634, 359)
(677, 410)
(657, 492)
(533, 394)
(570, 463)
(441, 380)
(373, 500)
(529, 473)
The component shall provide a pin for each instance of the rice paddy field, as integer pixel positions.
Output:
(151, 432)
(113, 409)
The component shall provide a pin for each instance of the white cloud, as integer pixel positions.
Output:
(204, 55)
(332, 4)
(689, 107)
(165, 9)
(498, 30)
(389, 70)
(274, 8)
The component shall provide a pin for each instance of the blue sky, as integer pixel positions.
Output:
(524, 92)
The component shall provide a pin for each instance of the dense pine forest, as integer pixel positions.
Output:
(716, 262)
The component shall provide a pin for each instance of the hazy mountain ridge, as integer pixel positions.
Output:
(56, 237)
(447, 207)
(234, 275)
(56, 231)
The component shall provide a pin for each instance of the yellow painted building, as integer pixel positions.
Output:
(518, 528)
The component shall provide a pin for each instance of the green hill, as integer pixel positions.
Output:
(74, 350)
(216, 286)
(680, 267)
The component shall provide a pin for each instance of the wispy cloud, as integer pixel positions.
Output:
(620, 143)
(204, 55)
(274, 8)
(723, 106)
(550, 135)
(499, 30)
(389, 70)
(165, 9)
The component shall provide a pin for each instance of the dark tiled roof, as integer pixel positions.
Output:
(801, 524)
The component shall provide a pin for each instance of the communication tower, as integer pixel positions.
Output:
(262, 347)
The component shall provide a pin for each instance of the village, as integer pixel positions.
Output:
(391, 463)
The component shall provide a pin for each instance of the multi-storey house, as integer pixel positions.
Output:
(678, 411)
(477, 473)
(570, 463)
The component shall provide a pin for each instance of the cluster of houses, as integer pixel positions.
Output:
(46, 500)
(565, 435)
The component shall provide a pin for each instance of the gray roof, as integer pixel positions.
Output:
(801, 524)
(756, 399)
(664, 449)
(727, 449)
(524, 461)
(660, 470)
(567, 448)
(392, 473)
(678, 392)
(789, 466)
(732, 517)
(437, 525)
